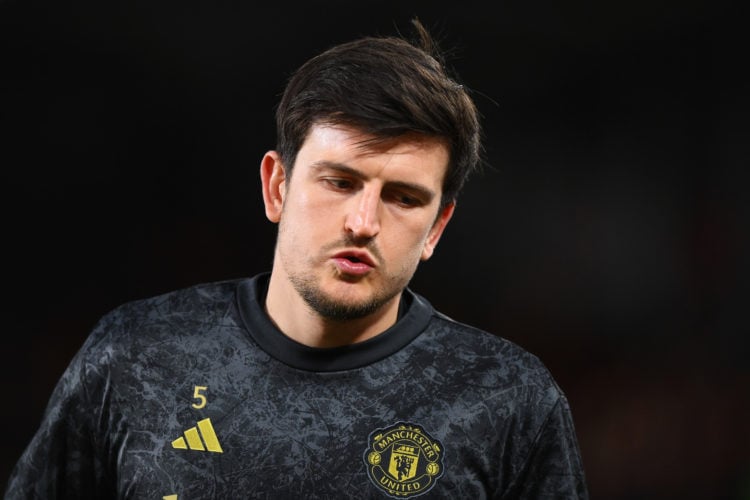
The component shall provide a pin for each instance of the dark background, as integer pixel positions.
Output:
(608, 234)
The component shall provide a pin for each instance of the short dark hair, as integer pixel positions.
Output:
(385, 87)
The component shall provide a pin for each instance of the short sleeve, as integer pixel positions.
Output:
(64, 458)
(553, 469)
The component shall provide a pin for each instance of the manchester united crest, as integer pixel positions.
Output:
(403, 460)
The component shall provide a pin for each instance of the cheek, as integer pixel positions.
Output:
(409, 241)
(313, 208)
(304, 225)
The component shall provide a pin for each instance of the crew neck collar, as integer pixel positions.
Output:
(415, 313)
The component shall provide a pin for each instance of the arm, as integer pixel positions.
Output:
(63, 460)
(553, 469)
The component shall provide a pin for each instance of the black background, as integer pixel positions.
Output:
(608, 233)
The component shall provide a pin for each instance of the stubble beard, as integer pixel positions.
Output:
(331, 308)
(309, 286)
(307, 283)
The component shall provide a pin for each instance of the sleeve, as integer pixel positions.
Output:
(553, 469)
(64, 458)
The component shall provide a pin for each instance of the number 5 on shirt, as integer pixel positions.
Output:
(201, 398)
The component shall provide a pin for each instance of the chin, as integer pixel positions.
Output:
(346, 304)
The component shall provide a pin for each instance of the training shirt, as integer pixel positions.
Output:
(196, 394)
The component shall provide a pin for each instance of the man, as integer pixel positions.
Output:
(327, 378)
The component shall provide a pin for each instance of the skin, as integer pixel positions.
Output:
(355, 220)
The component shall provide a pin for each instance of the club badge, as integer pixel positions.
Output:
(403, 460)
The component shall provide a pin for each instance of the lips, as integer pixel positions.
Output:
(354, 262)
(356, 256)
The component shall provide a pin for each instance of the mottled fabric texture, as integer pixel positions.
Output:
(174, 395)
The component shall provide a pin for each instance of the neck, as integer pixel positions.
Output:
(298, 321)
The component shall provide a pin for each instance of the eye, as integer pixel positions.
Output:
(338, 183)
(406, 200)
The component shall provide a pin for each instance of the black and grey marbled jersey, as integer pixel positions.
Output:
(195, 394)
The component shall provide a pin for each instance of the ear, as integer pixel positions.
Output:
(273, 179)
(437, 230)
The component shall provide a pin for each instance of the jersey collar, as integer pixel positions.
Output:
(415, 313)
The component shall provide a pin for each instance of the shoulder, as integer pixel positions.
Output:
(478, 359)
(173, 307)
(153, 342)
(471, 344)
(192, 300)
(177, 318)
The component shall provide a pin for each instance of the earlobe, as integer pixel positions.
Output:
(273, 180)
(437, 230)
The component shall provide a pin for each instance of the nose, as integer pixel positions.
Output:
(363, 219)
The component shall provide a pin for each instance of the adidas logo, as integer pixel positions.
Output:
(192, 439)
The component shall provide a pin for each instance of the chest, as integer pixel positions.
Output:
(275, 433)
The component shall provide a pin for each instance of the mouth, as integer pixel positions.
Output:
(356, 257)
(354, 262)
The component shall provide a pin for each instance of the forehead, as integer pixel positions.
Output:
(411, 155)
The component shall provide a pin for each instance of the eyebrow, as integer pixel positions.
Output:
(426, 194)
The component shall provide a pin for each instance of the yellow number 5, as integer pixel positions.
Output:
(197, 394)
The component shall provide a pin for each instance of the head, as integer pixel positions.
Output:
(374, 143)
(384, 87)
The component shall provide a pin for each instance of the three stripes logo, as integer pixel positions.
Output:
(199, 438)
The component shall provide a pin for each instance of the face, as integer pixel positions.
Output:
(355, 219)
